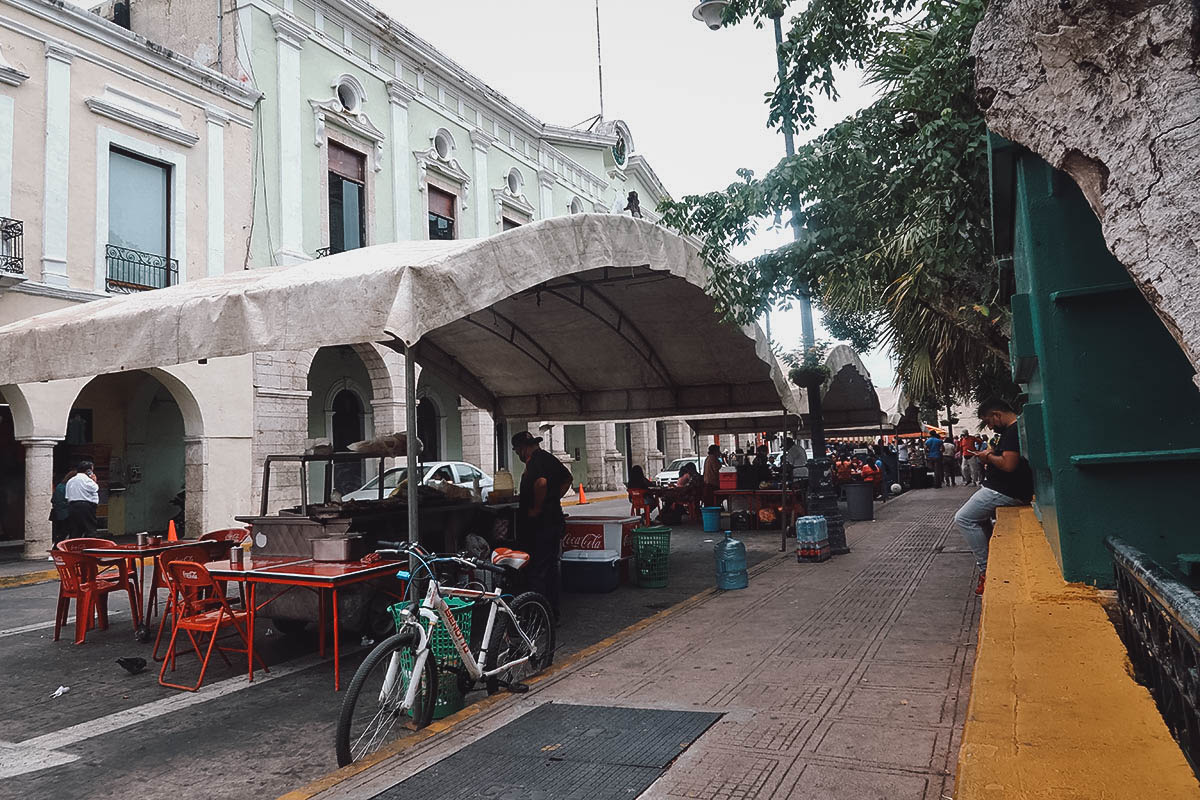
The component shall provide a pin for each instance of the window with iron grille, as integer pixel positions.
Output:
(12, 246)
(139, 224)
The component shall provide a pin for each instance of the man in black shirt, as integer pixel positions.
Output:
(540, 523)
(1007, 481)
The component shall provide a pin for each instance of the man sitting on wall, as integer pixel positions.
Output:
(1007, 481)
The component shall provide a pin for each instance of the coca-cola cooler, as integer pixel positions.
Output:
(602, 533)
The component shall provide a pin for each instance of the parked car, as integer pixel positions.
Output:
(457, 472)
(670, 473)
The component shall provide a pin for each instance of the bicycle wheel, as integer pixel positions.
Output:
(371, 714)
(532, 611)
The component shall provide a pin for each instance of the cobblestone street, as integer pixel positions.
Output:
(835, 680)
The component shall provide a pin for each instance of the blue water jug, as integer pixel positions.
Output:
(730, 555)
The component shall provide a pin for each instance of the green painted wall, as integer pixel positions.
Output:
(446, 401)
(1112, 422)
(575, 441)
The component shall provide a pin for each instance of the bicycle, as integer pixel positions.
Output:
(517, 643)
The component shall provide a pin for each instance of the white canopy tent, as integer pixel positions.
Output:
(585, 317)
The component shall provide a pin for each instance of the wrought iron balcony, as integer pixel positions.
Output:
(1160, 619)
(12, 246)
(134, 271)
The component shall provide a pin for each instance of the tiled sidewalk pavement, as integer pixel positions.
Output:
(839, 680)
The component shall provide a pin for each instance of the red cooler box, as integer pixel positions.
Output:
(602, 533)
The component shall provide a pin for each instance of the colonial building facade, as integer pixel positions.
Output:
(151, 143)
(121, 169)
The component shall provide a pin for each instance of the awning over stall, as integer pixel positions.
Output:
(582, 317)
(850, 406)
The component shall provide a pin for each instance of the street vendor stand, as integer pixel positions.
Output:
(571, 319)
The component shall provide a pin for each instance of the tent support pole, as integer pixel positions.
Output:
(410, 433)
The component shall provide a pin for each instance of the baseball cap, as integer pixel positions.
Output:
(523, 439)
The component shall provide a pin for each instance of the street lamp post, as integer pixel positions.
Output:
(822, 497)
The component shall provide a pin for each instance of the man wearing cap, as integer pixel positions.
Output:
(540, 524)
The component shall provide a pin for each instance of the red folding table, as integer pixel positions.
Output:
(302, 573)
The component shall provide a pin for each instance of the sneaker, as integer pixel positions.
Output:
(979, 586)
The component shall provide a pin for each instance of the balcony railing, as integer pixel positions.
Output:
(321, 252)
(1161, 629)
(134, 271)
(12, 246)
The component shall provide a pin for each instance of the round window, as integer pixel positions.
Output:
(514, 181)
(348, 97)
(576, 206)
(443, 144)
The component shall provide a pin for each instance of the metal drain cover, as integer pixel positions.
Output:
(561, 751)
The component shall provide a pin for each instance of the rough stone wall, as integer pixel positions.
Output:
(1109, 92)
(280, 421)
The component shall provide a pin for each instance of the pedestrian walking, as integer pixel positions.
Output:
(83, 498)
(934, 450)
(541, 523)
(1007, 481)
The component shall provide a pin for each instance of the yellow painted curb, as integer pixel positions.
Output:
(395, 748)
(1054, 710)
(28, 579)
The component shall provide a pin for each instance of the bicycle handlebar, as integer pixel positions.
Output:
(469, 561)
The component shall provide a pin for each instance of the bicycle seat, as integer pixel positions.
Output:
(505, 557)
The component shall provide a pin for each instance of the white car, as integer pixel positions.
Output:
(457, 472)
(670, 473)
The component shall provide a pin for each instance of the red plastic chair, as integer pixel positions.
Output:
(193, 553)
(639, 506)
(231, 535)
(80, 580)
(201, 608)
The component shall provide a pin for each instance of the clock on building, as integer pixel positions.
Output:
(618, 151)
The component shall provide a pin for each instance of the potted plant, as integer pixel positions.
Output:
(807, 367)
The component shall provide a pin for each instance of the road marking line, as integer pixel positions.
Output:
(42, 752)
(37, 626)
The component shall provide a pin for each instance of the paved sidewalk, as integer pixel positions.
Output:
(839, 680)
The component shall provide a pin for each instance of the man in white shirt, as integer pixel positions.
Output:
(83, 497)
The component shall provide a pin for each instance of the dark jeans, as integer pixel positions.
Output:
(61, 528)
(939, 471)
(545, 545)
(81, 519)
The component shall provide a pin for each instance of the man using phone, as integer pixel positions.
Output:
(1007, 481)
(83, 498)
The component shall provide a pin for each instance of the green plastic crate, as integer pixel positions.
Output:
(441, 646)
(651, 554)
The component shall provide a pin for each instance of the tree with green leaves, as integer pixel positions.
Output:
(892, 203)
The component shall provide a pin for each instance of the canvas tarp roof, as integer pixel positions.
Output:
(849, 405)
(588, 316)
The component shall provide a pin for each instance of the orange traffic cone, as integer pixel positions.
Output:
(582, 496)
(171, 535)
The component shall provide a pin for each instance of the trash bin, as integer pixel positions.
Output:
(441, 647)
(712, 518)
(651, 552)
(860, 501)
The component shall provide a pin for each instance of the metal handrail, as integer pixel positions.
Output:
(12, 246)
(136, 271)
(1161, 629)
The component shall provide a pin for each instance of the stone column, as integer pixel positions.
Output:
(290, 36)
(478, 437)
(594, 446)
(215, 198)
(674, 443)
(280, 421)
(195, 484)
(480, 144)
(614, 461)
(557, 440)
(399, 96)
(39, 487)
(643, 437)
